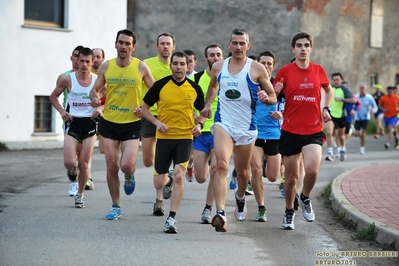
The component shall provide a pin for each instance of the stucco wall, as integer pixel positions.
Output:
(32, 59)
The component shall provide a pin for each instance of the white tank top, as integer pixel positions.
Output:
(78, 101)
(237, 98)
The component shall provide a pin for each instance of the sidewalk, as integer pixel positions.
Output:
(370, 194)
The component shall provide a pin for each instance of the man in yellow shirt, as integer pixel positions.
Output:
(160, 67)
(176, 97)
(119, 126)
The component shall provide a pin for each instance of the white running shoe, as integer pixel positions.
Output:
(307, 210)
(288, 221)
(73, 189)
(241, 211)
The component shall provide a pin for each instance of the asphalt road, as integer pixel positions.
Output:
(40, 226)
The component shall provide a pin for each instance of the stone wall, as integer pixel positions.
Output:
(341, 30)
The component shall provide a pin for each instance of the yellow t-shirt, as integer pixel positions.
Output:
(158, 70)
(124, 92)
(176, 102)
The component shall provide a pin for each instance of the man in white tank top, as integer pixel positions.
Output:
(78, 115)
(237, 82)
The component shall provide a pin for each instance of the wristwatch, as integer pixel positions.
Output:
(327, 108)
(201, 124)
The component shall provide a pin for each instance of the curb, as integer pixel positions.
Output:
(385, 234)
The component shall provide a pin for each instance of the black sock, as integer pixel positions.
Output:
(208, 207)
(303, 198)
(289, 211)
(172, 214)
(221, 212)
(261, 208)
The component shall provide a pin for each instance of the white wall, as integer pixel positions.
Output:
(32, 59)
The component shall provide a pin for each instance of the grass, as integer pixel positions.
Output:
(368, 233)
(327, 194)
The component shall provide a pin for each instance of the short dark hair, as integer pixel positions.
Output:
(238, 31)
(102, 51)
(128, 33)
(301, 35)
(337, 74)
(77, 48)
(190, 52)
(179, 54)
(391, 88)
(86, 51)
(167, 34)
(267, 53)
(213, 45)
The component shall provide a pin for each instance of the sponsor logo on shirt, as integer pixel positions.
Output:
(232, 94)
(306, 85)
(303, 98)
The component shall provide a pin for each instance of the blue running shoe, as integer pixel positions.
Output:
(114, 214)
(233, 182)
(130, 185)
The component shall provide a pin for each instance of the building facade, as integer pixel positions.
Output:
(37, 39)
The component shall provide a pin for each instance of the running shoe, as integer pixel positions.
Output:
(288, 221)
(167, 189)
(281, 186)
(158, 208)
(233, 182)
(387, 145)
(130, 185)
(296, 202)
(307, 210)
(342, 156)
(190, 174)
(261, 217)
(206, 216)
(73, 174)
(248, 190)
(73, 189)
(89, 184)
(282, 193)
(170, 226)
(241, 211)
(362, 151)
(376, 136)
(79, 201)
(330, 158)
(219, 222)
(114, 214)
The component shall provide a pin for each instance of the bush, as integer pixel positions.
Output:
(3, 147)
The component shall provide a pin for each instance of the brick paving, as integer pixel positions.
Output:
(374, 191)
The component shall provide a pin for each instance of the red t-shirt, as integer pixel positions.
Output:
(302, 89)
(390, 103)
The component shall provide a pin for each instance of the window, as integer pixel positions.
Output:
(373, 79)
(377, 22)
(43, 111)
(397, 79)
(45, 13)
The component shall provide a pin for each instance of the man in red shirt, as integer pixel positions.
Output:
(389, 104)
(302, 132)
